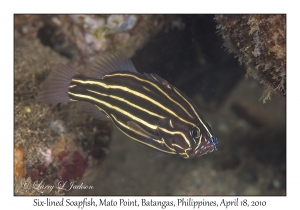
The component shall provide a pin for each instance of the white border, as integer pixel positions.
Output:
(153, 6)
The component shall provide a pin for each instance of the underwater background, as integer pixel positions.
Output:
(239, 92)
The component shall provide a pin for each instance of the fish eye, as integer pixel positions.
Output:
(195, 133)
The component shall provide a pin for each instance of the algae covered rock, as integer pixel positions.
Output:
(85, 36)
(60, 143)
(259, 42)
(53, 144)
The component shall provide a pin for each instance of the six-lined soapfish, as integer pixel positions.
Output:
(143, 106)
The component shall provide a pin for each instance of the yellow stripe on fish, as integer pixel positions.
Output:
(145, 107)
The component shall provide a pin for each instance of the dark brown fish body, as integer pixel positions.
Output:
(143, 106)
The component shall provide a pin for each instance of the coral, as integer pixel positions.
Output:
(98, 33)
(74, 165)
(47, 155)
(43, 132)
(62, 142)
(85, 36)
(259, 42)
(19, 165)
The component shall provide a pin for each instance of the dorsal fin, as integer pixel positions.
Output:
(148, 76)
(156, 78)
(107, 63)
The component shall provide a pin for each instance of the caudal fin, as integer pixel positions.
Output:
(55, 89)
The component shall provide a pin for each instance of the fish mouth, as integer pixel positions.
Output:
(211, 147)
(214, 142)
(205, 149)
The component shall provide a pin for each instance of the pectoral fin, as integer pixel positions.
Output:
(151, 139)
(141, 131)
(92, 110)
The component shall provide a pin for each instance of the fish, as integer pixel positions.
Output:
(144, 107)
